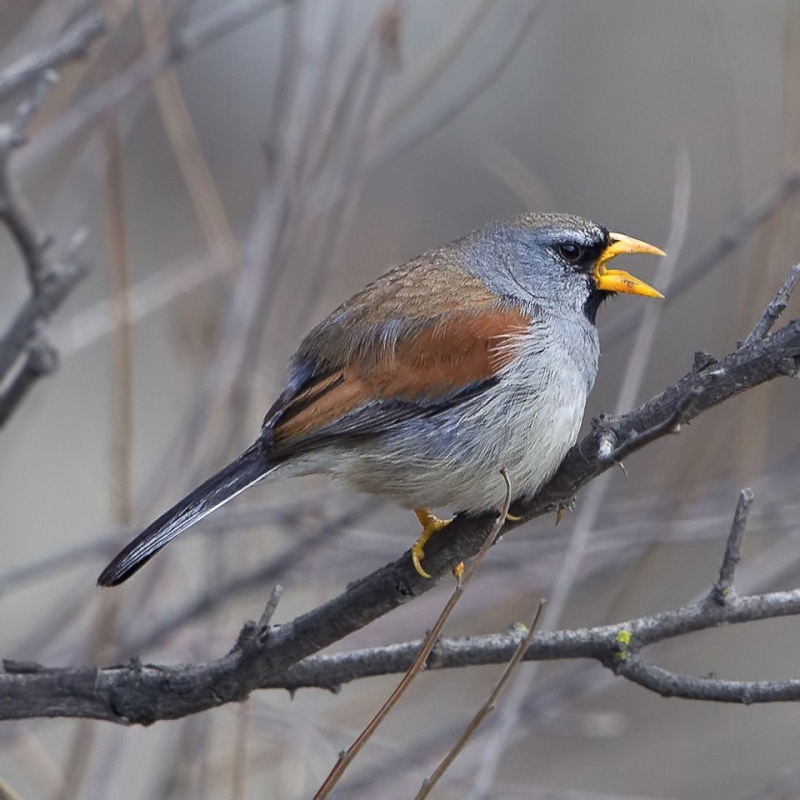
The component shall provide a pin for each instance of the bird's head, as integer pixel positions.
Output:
(559, 260)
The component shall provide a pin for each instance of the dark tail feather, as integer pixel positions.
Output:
(249, 468)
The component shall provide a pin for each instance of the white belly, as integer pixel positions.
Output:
(526, 423)
(454, 458)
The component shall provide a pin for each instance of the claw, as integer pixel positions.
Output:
(430, 525)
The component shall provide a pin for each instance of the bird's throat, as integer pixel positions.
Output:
(593, 302)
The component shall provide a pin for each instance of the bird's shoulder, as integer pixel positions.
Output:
(398, 304)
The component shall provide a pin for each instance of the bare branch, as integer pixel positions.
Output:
(40, 359)
(733, 551)
(224, 20)
(669, 684)
(672, 424)
(72, 43)
(142, 694)
(775, 308)
(37, 310)
(50, 278)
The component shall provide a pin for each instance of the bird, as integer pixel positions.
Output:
(475, 356)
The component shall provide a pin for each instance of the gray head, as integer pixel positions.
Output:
(556, 260)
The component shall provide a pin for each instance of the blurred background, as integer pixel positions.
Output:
(233, 190)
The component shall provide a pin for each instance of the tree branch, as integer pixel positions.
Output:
(72, 43)
(51, 278)
(142, 694)
(775, 308)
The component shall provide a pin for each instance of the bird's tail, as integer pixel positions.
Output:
(249, 468)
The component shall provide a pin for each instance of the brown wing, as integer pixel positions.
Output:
(421, 338)
(391, 375)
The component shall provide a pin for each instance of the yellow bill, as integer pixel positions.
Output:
(617, 280)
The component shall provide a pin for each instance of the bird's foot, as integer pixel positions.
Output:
(430, 525)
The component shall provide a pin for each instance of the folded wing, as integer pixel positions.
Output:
(386, 376)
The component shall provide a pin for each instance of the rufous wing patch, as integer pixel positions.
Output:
(438, 361)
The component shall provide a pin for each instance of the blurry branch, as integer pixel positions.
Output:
(733, 237)
(83, 738)
(147, 296)
(141, 694)
(122, 340)
(72, 43)
(388, 144)
(51, 278)
(184, 43)
(186, 146)
(433, 64)
(40, 359)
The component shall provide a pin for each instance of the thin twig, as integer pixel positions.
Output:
(239, 769)
(733, 237)
(177, 121)
(672, 424)
(84, 739)
(484, 711)
(50, 278)
(430, 66)
(40, 359)
(225, 19)
(733, 551)
(418, 664)
(122, 339)
(689, 687)
(269, 611)
(775, 308)
(388, 145)
(26, 327)
(15, 212)
(72, 43)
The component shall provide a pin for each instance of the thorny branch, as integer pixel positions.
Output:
(141, 694)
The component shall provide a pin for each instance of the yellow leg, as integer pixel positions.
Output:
(513, 518)
(430, 525)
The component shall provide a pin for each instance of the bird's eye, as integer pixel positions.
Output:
(570, 251)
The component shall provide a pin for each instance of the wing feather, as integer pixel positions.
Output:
(429, 366)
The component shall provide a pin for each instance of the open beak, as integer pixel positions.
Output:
(617, 280)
